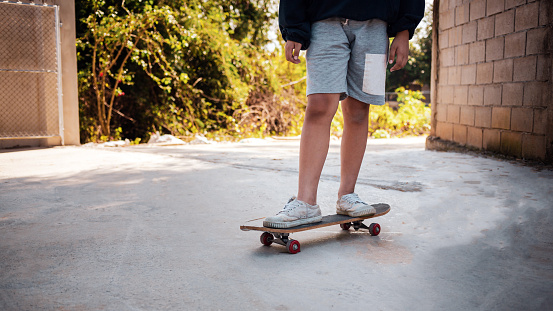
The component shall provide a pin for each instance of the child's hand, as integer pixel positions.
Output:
(400, 46)
(292, 51)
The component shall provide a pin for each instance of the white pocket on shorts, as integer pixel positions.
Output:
(374, 77)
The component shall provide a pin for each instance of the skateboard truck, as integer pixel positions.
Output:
(374, 228)
(359, 224)
(267, 238)
(281, 238)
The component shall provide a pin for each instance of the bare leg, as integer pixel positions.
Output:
(354, 142)
(315, 138)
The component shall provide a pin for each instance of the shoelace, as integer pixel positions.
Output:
(289, 206)
(353, 199)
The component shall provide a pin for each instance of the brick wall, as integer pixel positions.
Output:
(493, 76)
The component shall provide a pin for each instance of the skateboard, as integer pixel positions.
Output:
(282, 236)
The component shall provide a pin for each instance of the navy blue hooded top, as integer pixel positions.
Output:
(296, 16)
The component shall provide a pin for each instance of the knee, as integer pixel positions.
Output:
(321, 107)
(356, 113)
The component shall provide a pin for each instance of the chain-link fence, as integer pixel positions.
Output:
(30, 94)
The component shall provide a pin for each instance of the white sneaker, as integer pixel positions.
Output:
(293, 214)
(353, 206)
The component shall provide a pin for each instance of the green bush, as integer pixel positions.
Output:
(411, 118)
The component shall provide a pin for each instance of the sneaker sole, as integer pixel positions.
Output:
(369, 212)
(295, 223)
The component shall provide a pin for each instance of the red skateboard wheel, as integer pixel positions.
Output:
(266, 238)
(345, 226)
(293, 246)
(374, 229)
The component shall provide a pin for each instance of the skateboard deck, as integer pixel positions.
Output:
(281, 235)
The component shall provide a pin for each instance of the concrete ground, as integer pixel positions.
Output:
(157, 228)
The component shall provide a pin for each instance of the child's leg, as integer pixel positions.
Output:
(354, 141)
(315, 138)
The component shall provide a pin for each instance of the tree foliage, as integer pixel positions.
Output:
(411, 118)
(179, 66)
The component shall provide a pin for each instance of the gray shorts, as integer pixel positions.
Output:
(348, 57)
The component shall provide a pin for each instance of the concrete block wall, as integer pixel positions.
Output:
(493, 77)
